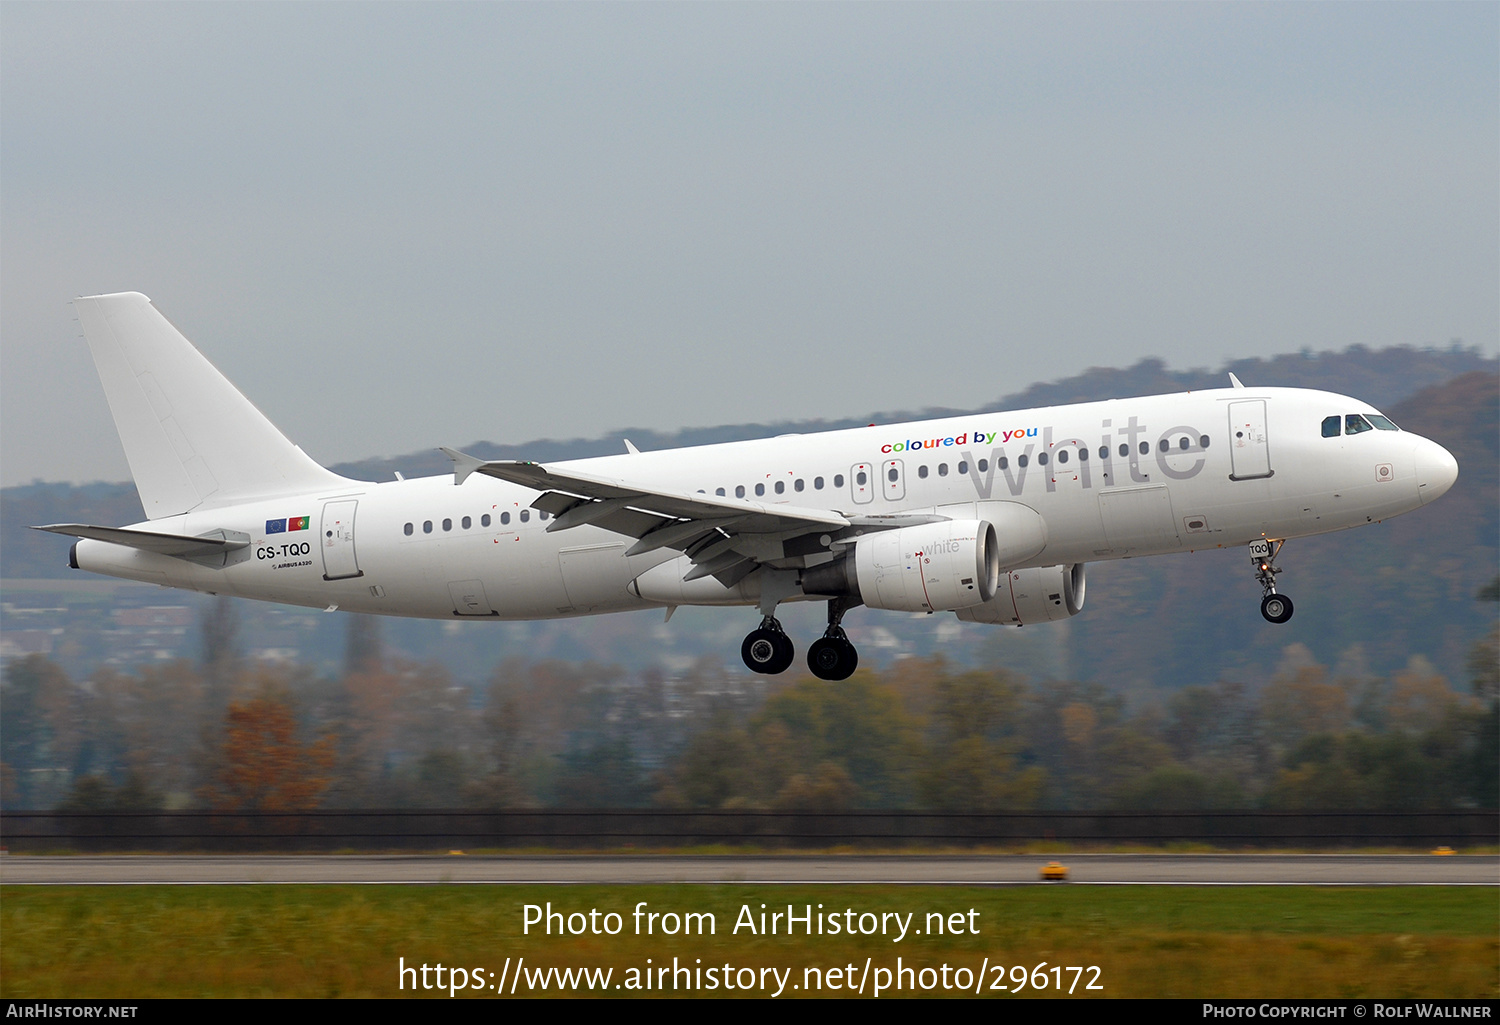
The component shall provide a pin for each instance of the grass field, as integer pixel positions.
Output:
(332, 941)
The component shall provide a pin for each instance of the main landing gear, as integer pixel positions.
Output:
(832, 657)
(769, 650)
(1277, 608)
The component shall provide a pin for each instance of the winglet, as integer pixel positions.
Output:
(630, 447)
(1236, 382)
(463, 464)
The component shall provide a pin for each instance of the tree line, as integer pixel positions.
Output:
(221, 732)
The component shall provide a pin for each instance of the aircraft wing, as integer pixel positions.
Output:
(725, 537)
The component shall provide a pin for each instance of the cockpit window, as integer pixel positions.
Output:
(1356, 424)
(1382, 423)
(1332, 425)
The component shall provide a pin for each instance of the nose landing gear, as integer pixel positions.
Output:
(1277, 608)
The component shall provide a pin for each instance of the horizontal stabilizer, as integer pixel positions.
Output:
(215, 543)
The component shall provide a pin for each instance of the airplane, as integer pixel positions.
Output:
(990, 516)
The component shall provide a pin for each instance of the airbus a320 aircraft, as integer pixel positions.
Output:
(991, 516)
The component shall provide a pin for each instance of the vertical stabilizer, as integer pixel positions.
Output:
(191, 438)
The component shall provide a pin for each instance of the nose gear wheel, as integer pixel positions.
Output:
(1276, 607)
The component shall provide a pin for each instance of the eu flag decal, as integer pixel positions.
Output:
(275, 526)
(298, 522)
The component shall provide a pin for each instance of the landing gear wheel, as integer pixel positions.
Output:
(785, 654)
(1277, 608)
(760, 650)
(767, 650)
(832, 658)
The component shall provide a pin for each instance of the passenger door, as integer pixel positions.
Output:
(1249, 448)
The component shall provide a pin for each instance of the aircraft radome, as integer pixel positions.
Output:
(991, 516)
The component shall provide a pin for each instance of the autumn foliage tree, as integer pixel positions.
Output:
(264, 766)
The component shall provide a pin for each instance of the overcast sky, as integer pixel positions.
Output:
(401, 226)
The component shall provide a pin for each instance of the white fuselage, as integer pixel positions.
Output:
(1114, 479)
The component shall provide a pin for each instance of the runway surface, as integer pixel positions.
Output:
(1097, 869)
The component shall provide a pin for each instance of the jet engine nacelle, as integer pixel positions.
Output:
(935, 567)
(1037, 595)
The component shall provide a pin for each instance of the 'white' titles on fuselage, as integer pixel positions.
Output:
(1119, 458)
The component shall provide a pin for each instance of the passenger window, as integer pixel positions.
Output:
(1021, 461)
(963, 467)
(798, 485)
(406, 530)
(447, 524)
(466, 523)
(781, 487)
(1124, 450)
(1145, 448)
(861, 479)
(1062, 455)
(525, 515)
(984, 466)
(427, 526)
(505, 517)
(1203, 442)
(719, 492)
(1041, 458)
(484, 521)
(942, 469)
(760, 489)
(739, 491)
(1003, 463)
(1184, 443)
(922, 472)
(1164, 445)
(543, 514)
(838, 480)
(1083, 454)
(1382, 423)
(893, 475)
(1356, 424)
(817, 483)
(1331, 425)
(1103, 451)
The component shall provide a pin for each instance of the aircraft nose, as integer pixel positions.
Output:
(1436, 470)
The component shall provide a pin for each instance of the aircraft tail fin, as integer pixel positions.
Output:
(192, 439)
